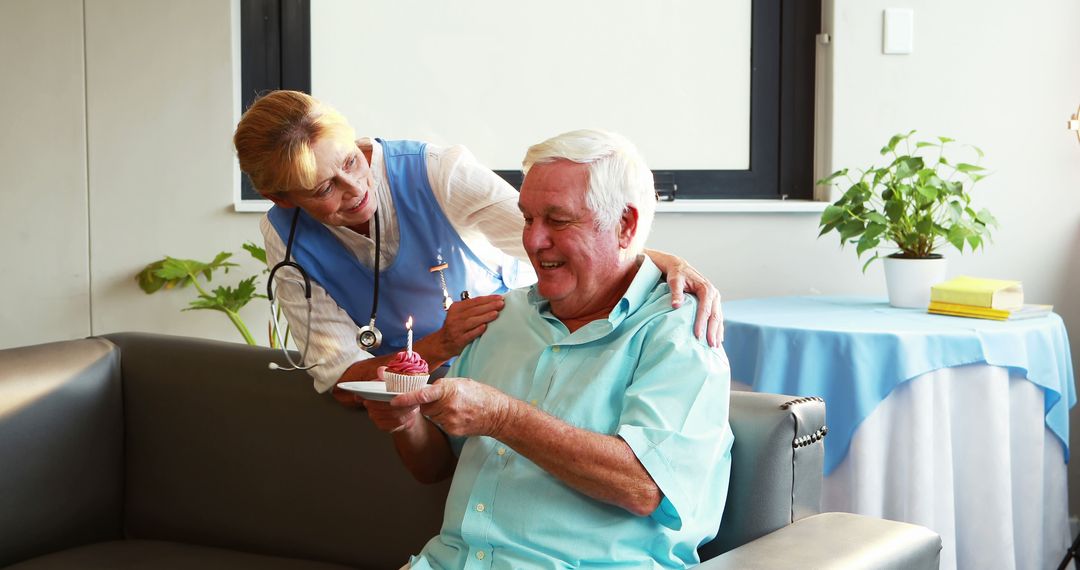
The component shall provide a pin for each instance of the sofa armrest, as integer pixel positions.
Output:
(837, 541)
(61, 447)
(776, 466)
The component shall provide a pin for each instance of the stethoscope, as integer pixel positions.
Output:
(367, 337)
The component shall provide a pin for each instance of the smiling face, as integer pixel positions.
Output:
(344, 192)
(579, 267)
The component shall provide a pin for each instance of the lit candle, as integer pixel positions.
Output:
(408, 326)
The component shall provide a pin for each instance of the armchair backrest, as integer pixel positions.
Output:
(776, 466)
(221, 451)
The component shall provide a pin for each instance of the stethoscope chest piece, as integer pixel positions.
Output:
(369, 337)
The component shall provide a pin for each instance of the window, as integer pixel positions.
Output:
(277, 54)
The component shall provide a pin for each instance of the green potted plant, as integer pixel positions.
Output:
(918, 202)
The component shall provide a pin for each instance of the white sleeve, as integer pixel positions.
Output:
(478, 202)
(333, 332)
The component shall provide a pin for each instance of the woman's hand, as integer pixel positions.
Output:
(465, 321)
(683, 278)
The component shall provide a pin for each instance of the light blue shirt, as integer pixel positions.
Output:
(639, 374)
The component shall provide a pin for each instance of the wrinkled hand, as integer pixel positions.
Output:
(683, 278)
(346, 398)
(461, 406)
(390, 419)
(465, 321)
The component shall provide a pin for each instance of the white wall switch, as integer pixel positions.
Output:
(898, 31)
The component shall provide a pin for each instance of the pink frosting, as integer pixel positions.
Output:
(408, 363)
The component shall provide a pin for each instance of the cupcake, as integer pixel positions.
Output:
(407, 372)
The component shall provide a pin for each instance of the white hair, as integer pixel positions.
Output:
(618, 176)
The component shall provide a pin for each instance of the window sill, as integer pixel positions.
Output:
(255, 206)
(747, 206)
(676, 207)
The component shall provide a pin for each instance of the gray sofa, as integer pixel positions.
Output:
(147, 451)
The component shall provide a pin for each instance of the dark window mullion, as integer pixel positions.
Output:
(275, 53)
(801, 23)
(296, 45)
(260, 60)
(764, 98)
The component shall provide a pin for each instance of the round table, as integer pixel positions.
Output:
(957, 424)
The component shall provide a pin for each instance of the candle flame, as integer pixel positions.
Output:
(408, 323)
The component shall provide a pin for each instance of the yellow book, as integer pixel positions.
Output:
(1024, 312)
(979, 292)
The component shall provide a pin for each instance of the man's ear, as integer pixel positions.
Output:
(281, 200)
(628, 226)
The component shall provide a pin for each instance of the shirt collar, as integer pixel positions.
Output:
(648, 274)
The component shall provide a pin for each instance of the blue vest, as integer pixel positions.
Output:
(407, 287)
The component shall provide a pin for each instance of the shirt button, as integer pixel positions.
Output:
(479, 507)
(555, 349)
(479, 554)
(501, 451)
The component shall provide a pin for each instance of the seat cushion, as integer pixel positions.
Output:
(140, 554)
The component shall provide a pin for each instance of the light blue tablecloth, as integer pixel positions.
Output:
(853, 351)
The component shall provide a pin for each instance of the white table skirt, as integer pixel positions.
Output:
(965, 452)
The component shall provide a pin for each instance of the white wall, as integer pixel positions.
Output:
(161, 115)
(159, 79)
(43, 222)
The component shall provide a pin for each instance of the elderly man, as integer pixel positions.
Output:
(589, 425)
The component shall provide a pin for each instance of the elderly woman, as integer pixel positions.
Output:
(386, 232)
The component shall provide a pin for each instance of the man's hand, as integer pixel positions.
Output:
(462, 407)
(346, 398)
(683, 278)
(389, 418)
(465, 321)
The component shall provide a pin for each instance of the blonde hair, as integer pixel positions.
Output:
(618, 176)
(275, 136)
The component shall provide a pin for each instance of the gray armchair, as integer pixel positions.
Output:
(149, 451)
(772, 515)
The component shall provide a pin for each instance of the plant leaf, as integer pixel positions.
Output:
(895, 140)
(851, 229)
(824, 181)
(255, 251)
(867, 264)
(946, 140)
(226, 298)
(873, 230)
(828, 228)
(148, 279)
(986, 218)
(831, 214)
(866, 242)
(957, 235)
(965, 167)
(928, 192)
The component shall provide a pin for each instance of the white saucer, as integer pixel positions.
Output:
(370, 390)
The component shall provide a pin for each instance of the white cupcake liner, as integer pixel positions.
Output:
(404, 382)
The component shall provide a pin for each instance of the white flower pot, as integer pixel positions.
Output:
(909, 280)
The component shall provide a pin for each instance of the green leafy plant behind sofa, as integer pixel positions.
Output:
(174, 273)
